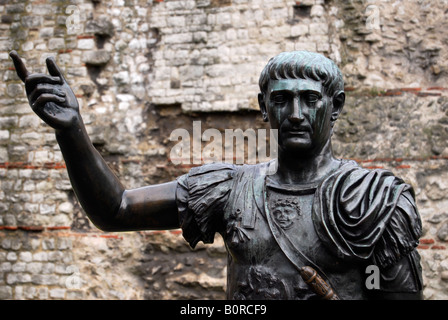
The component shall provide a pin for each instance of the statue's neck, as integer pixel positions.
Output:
(295, 168)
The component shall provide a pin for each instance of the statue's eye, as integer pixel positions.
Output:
(311, 98)
(279, 98)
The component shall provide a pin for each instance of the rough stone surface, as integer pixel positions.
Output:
(141, 69)
(96, 58)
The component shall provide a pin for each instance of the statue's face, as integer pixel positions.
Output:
(301, 111)
(285, 215)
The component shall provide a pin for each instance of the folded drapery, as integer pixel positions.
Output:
(367, 214)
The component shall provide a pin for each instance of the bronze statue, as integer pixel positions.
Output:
(313, 229)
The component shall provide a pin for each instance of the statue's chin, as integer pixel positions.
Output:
(297, 146)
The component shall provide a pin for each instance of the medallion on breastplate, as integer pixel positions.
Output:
(285, 211)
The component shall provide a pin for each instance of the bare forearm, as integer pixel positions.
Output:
(95, 185)
(104, 199)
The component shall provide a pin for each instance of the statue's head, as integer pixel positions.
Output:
(304, 65)
(302, 95)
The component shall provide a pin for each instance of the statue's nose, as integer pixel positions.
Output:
(297, 112)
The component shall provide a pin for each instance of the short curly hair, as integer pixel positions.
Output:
(305, 65)
(285, 203)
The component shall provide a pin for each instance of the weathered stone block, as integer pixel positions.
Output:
(86, 44)
(6, 45)
(18, 267)
(25, 256)
(102, 26)
(32, 21)
(96, 58)
(5, 293)
(442, 233)
(45, 279)
(17, 278)
(7, 18)
(4, 135)
(319, 28)
(34, 267)
(6, 243)
(40, 256)
(178, 38)
(14, 90)
(46, 32)
(56, 43)
(55, 256)
(47, 208)
(48, 268)
(15, 8)
(5, 267)
(121, 78)
(57, 293)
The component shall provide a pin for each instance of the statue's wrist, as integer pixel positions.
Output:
(74, 129)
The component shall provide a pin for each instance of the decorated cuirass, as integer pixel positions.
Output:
(271, 231)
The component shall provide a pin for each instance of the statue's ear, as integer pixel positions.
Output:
(263, 108)
(338, 104)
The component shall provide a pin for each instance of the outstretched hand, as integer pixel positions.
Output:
(50, 96)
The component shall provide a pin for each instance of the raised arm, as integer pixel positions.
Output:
(104, 199)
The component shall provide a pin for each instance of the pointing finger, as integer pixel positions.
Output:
(21, 70)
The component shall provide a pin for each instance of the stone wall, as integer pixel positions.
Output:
(141, 69)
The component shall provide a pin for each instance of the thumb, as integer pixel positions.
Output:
(53, 68)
